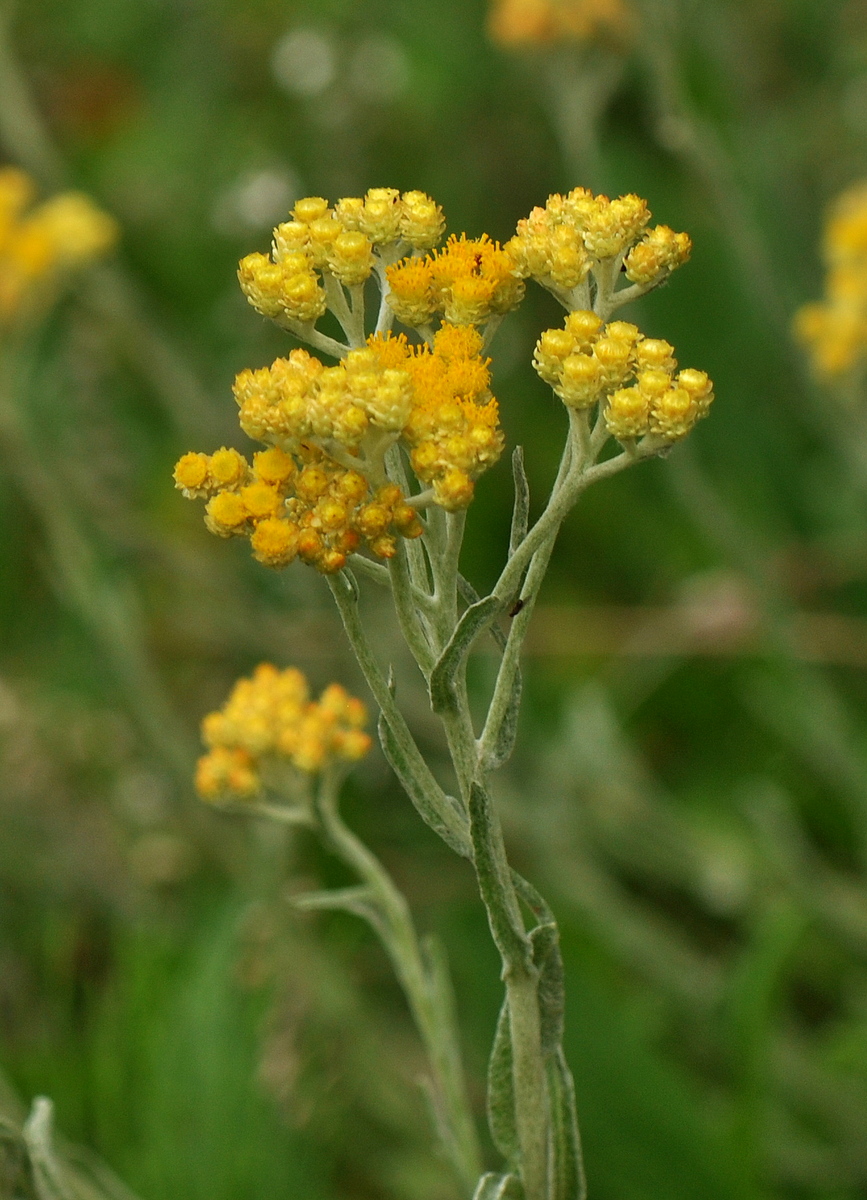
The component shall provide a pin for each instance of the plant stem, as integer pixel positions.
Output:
(428, 997)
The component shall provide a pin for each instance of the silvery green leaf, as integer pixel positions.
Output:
(534, 900)
(48, 1176)
(521, 510)
(508, 731)
(501, 1093)
(469, 595)
(545, 940)
(424, 793)
(350, 584)
(359, 901)
(569, 1182)
(499, 1187)
(495, 884)
(443, 694)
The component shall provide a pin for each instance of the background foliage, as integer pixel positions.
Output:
(691, 788)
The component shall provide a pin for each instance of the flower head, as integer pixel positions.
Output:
(344, 242)
(558, 245)
(527, 23)
(40, 245)
(834, 330)
(269, 719)
(467, 282)
(631, 376)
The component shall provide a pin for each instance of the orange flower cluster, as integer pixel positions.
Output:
(559, 244)
(588, 362)
(342, 241)
(38, 246)
(517, 23)
(469, 281)
(269, 720)
(835, 330)
(453, 428)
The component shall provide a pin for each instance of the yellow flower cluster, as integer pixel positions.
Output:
(270, 719)
(835, 330)
(38, 245)
(468, 281)
(342, 241)
(302, 506)
(559, 244)
(319, 492)
(588, 362)
(542, 22)
(453, 428)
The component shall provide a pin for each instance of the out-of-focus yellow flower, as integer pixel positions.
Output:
(270, 719)
(524, 23)
(40, 245)
(588, 363)
(834, 330)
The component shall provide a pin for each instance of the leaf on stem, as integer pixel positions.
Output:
(499, 1187)
(507, 733)
(359, 901)
(420, 792)
(568, 1175)
(545, 940)
(534, 900)
(49, 1179)
(495, 883)
(469, 595)
(501, 1093)
(521, 510)
(443, 694)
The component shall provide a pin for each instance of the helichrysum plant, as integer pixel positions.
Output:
(367, 469)
(41, 244)
(834, 330)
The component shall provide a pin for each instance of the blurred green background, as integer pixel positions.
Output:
(690, 789)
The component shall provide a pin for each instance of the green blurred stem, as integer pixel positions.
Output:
(107, 609)
(427, 992)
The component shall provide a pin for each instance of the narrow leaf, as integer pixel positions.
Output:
(469, 595)
(569, 1182)
(495, 883)
(359, 901)
(521, 510)
(501, 1093)
(443, 694)
(508, 731)
(545, 940)
(534, 900)
(421, 792)
(48, 1178)
(499, 1187)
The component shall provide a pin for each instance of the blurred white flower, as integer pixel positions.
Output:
(257, 200)
(379, 68)
(303, 62)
